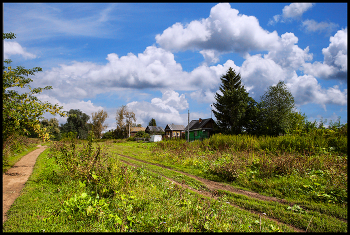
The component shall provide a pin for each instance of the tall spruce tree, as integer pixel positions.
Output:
(233, 105)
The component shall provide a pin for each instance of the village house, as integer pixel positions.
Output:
(200, 129)
(174, 131)
(154, 130)
(134, 130)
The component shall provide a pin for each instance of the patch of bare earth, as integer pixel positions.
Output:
(14, 179)
(214, 186)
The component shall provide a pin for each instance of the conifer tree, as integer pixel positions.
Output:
(233, 103)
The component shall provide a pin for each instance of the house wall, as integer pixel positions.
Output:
(173, 134)
(198, 135)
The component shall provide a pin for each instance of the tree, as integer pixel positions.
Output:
(232, 104)
(276, 115)
(52, 126)
(124, 120)
(22, 112)
(142, 134)
(98, 118)
(152, 122)
(77, 122)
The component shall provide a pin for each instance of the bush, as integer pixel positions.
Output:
(142, 134)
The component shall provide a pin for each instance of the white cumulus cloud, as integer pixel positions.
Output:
(225, 30)
(14, 48)
(164, 110)
(335, 59)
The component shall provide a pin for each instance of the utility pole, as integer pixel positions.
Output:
(211, 111)
(188, 127)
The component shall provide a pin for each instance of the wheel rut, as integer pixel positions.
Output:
(214, 186)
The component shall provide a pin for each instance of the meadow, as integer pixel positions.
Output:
(128, 186)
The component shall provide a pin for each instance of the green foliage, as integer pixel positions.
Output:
(276, 110)
(52, 126)
(22, 111)
(235, 110)
(152, 122)
(108, 135)
(139, 200)
(76, 122)
(245, 159)
(142, 134)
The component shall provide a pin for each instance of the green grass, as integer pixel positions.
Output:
(326, 216)
(142, 202)
(105, 195)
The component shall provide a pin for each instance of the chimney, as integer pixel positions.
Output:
(200, 120)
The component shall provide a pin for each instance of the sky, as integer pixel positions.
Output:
(164, 60)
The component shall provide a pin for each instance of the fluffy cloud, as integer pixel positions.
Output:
(306, 89)
(164, 110)
(225, 30)
(14, 48)
(335, 59)
(295, 10)
(85, 106)
(258, 73)
(292, 11)
(154, 68)
(289, 55)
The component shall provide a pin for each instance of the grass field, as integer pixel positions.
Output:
(120, 186)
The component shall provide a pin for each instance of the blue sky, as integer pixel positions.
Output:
(163, 59)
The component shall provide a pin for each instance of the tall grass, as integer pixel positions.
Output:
(248, 161)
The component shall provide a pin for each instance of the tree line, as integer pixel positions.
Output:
(237, 113)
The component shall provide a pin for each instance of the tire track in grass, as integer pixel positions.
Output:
(214, 186)
(213, 193)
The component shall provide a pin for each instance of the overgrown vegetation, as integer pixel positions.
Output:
(314, 165)
(75, 189)
(14, 147)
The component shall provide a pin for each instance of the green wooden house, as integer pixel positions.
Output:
(200, 129)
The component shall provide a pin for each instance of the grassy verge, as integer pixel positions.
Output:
(15, 157)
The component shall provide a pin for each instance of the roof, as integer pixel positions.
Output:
(175, 127)
(154, 129)
(137, 129)
(194, 124)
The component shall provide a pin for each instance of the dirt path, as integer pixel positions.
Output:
(14, 179)
(213, 186)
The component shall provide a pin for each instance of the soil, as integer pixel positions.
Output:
(14, 179)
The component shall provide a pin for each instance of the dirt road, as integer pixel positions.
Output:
(14, 179)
